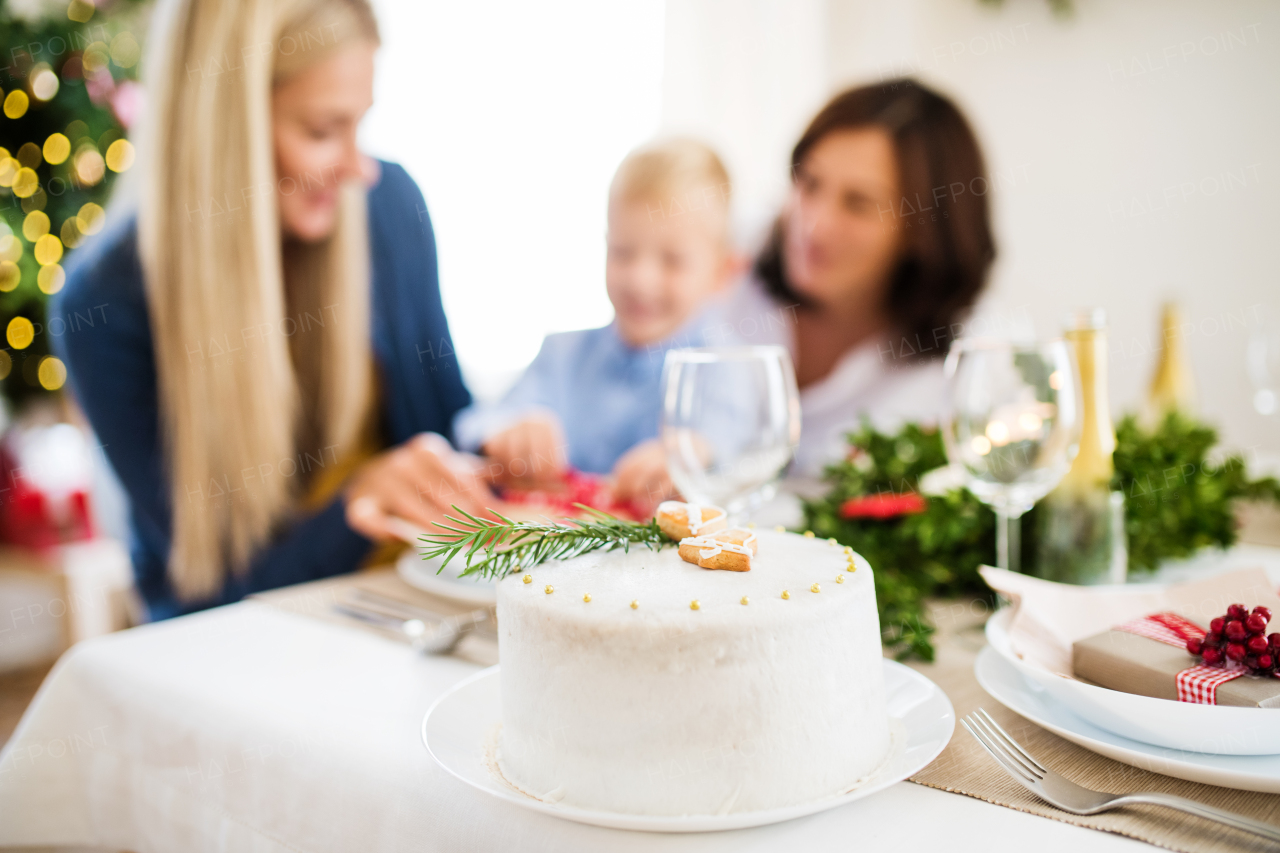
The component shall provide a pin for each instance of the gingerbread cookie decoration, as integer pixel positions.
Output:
(681, 520)
(728, 550)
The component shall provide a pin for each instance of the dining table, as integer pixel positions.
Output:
(278, 724)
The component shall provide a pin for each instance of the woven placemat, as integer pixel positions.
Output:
(965, 767)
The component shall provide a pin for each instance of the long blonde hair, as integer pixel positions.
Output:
(245, 371)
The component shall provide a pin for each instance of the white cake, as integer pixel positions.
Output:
(751, 701)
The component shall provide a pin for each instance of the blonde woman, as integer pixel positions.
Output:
(275, 372)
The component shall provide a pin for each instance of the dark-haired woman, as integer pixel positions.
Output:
(881, 250)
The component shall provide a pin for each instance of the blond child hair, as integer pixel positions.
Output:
(676, 178)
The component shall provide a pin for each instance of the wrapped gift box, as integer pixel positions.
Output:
(1128, 662)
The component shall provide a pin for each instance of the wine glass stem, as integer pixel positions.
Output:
(1008, 541)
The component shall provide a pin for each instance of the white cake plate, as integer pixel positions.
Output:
(1246, 772)
(459, 725)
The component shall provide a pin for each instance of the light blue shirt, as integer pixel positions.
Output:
(607, 395)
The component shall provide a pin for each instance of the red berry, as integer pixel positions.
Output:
(1255, 624)
(1274, 639)
(1212, 656)
(1212, 639)
(1193, 645)
(1235, 651)
(1264, 612)
(1265, 661)
(1235, 630)
(1217, 625)
(1257, 645)
(1237, 611)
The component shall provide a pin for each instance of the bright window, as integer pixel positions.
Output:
(512, 116)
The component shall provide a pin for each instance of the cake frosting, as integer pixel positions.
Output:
(643, 684)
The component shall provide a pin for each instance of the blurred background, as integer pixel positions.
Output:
(1132, 149)
(1131, 146)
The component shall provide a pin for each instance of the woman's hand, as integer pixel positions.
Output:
(418, 482)
(641, 479)
(528, 453)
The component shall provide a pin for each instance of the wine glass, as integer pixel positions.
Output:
(730, 423)
(1012, 426)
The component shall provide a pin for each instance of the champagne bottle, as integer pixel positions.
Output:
(1172, 387)
(1081, 522)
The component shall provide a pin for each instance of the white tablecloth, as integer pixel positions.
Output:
(248, 728)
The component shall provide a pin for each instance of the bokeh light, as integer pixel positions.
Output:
(20, 333)
(80, 11)
(51, 278)
(125, 50)
(8, 170)
(10, 276)
(48, 250)
(35, 226)
(120, 155)
(10, 248)
(57, 148)
(25, 183)
(43, 82)
(92, 217)
(6, 364)
(89, 165)
(52, 373)
(71, 233)
(95, 57)
(15, 104)
(29, 155)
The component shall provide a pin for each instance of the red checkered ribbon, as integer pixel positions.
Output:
(1199, 684)
(1166, 627)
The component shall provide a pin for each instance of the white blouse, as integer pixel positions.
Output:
(873, 380)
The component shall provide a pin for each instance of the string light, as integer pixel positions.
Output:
(20, 333)
(52, 373)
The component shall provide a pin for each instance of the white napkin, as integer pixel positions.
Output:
(1048, 617)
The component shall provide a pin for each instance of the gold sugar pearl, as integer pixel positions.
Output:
(550, 589)
(780, 529)
(848, 550)
(839, 578)
(786, 594)
(815, 588)
(635, 605)
(751, 526)
(587, 597)
(528, 578)
(809, 534)
(832, 541)
(694, 605)
(745, 600)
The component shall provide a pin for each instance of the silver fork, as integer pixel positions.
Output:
(1070, 797)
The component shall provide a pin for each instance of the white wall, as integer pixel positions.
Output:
(1134, 148)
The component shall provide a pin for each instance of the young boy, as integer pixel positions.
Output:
(592, 399)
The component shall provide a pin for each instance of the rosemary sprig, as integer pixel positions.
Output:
(495, 549)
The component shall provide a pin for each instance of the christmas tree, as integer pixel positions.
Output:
(70, 96)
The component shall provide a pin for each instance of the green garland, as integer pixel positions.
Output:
(495, 549)
(1177, 502)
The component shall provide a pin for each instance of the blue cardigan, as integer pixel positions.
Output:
(106, 344)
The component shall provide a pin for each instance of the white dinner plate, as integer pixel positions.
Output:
(1185, 726)
(426, 576)
(1007, 686)
(459, 725)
